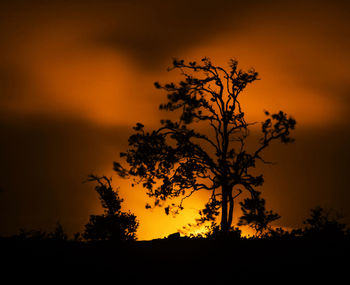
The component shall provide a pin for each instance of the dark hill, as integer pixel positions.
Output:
(176, 261)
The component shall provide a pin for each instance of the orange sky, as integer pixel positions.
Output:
(75, 76)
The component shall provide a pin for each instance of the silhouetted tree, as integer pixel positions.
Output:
(255, 214)
(324, 224)
(205, 148)
(113, 224)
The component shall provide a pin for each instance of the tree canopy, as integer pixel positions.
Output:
(205, 146)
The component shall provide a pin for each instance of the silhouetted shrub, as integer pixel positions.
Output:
(58, 234)
(114, 224)
(25, 234)
(215, 232)
(324, 224)
(280, 233)
(37, 235)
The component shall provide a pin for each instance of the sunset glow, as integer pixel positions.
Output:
(74, 81)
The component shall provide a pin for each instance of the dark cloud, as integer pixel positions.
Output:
(9, 82)
(14, 85)
(154, 31)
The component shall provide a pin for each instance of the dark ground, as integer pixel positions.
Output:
(179, 261)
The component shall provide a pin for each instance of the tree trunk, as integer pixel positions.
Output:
(225, 171)
(230, 210)
(224, 218)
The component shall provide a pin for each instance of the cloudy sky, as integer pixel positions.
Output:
(75, 76)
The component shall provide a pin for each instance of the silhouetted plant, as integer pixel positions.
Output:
(214, 232)
(58, 234)
(324, 224)
(280, 233)
(255, 214)
(206, 147)
(77, 237)
(114, 224)
(36, 235)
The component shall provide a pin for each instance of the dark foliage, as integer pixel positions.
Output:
(214, 232)
(206, 147)
(323, 224)
(59, 233)
(320, 225)
(255, 214)
(113, 225)
(37, 235)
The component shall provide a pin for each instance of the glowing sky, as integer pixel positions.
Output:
(76, 75)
